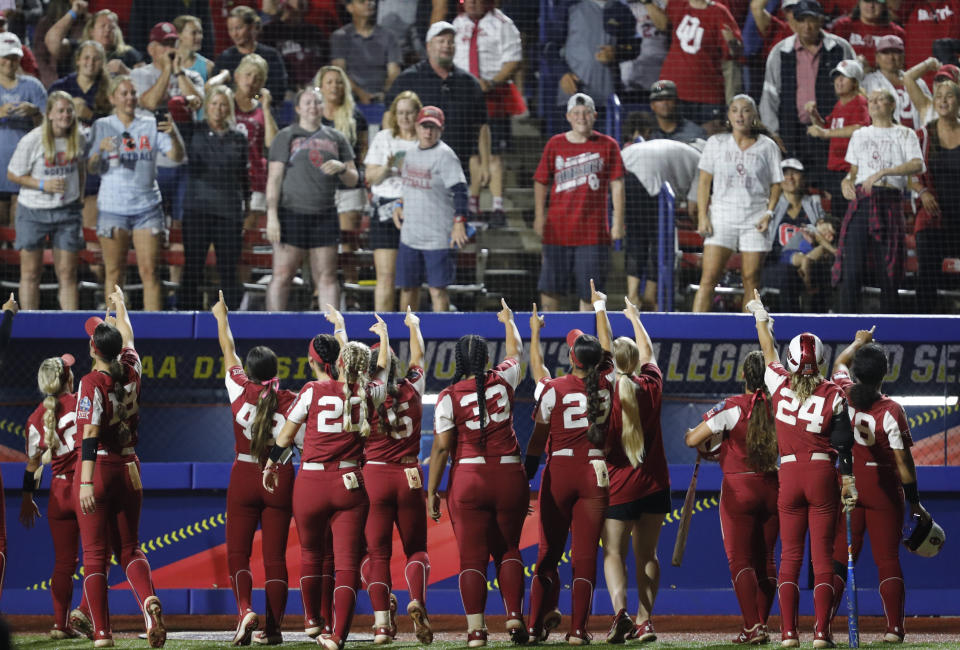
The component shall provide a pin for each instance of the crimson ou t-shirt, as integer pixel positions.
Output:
(244, 395)
(399, 436)
(98, 404)
(878, 431)
(578, 175)
(853, 112)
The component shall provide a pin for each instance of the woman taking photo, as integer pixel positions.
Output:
(383, 163)
(124, 150)
(108, 485)
(308, 161)
(748, 495)
(217, 187)
(743, 168)
(49, 168)
(252, 103)
(487, 493)
(329, 493)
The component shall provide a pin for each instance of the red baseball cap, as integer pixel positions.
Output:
(164, 33)
(91, 325)
(432, 115)
(572, 337)
(948, 72)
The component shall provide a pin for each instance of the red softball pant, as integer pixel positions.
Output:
(487, 504)
(809, 499)
(65, 532)
(750, 524)
(249, 505)
(393, 501)
(570, 500)
(321, 504)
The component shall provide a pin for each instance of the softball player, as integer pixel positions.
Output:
(487, 493)
(748, 495)
(571, 421)
(813, 432)
(394, 482)
(329, 490)
(108, 484)
(10, 308)
(885, 473)
(639, 480)
(258, 407)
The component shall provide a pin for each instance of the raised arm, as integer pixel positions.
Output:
(514, 343)
(339, 328)
(764, 329)
(844, 359)
(123, 318)
(227, 346)
(537, 367)
(644, 344)
(383, 352)
(921, 101)
(10, 308)
(412, 321)
(599, 300)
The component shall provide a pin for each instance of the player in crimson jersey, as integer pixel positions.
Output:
(329, 492)
(51, 431)
(258, 408)
(108, 484)
(885, 473)
(748, 495)
(639, 480)
(487, 493)
(394, 482)
(9, 310)
(813, 432)
(571, 422)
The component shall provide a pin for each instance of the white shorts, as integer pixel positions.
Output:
(351, 200)
(258, 202)
(737, 230)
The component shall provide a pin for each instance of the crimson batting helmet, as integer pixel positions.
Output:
(805, 354)
(924, 538)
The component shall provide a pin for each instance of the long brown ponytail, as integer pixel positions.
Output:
(761, 430)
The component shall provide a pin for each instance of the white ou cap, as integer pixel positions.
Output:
(581, 99)
(805, 354)
(848, 68)
(786, 4)
(438, 28)
(792, 163)
(10, 45)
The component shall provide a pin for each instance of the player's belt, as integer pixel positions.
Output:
(404, 460)
(593, 453)
(343, 464)
(247, 458)
(792, 458)
(482, 460)
(126, 451)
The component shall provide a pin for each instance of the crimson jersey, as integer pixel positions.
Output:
(803, 429)
(853, 112)
(244, 394)
(731, 417)
(578, 175)
(878, 430)
(628, 483)
(65, 457)
(863, 37)
(253, 125)
(457, 409)
(563, 403)
(779, 30)
(404, 411)
(97, 405)
(697, 49)
(332, 432)
(927, 20)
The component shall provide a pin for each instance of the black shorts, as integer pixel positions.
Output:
(640, 244)
(654, 504)
(383, 234)
(6, 196)
(568, 269)
(500, 139)
(309, 230)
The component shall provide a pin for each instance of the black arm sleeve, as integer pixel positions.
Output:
(841, 439)
(5, 328)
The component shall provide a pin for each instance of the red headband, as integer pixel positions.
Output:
(313, 354)
(572, 337)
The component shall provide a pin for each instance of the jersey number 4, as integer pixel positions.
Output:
(246, 415)
(810, 412)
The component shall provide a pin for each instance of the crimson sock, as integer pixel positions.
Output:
(539, 586)
(822, 603)
(510, 578)
(61, 589)
(327, 584)
(310, 589)
(746, 588)
(344, 602)
(473, 591)
(789, 595)
(892, 596)
(95, 591)
(242, 582)
(417, 573)
(766, 592)
(276, 593)
(839, 585)
(138, 575)
(582, 598)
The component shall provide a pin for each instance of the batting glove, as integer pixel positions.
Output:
(848, 494)
(756, 308)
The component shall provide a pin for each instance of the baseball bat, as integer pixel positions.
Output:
(681, 544)
(853, 613)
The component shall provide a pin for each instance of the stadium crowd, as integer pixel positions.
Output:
(812, 145)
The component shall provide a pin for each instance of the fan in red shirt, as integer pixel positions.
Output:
(51, 432)
(743, 427)
(772, 28)
(927, 21)
(108, 485)
(866, 24)
(885, 473)
(487, 492)
(394, 481)
(329, 493)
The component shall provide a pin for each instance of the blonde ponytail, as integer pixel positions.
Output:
(626, 357)
(50, 380)
(356, 358)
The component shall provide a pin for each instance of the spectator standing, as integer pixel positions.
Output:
(48, 167)
(399, 17)
(244, 27)
(302, 44)
(21, 99)
(433, 214)
(190, 41)
(489, 47)
(578, 169)
(29, 62)
(369, 52)
(144, 14)
(889, 76)
(308, 161)
(166, 76)
(588, 53)
(124, 151)
(797, 72)
(864, 27)
(705, 47)
(922, 99)
(744, 168)
(882, 156)
(670, 124)
(938, 223)
(254, 116)
(383, 161)
(217, 187)
(102, 27)
(771, 28)
(47, 65)
(639, 73)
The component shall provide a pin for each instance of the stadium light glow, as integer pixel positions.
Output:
(924, 400)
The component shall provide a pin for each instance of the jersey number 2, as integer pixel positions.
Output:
(810, 412)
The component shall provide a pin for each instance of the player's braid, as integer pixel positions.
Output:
(116, 374)
(761, 430)
(596, 433)
(327, 348)
(50, 378)
(356, 358)
(388, 426)
(478, 363)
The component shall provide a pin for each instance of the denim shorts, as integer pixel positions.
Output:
(64, 227)
(568, 269)
(437, 267)
(151, 219)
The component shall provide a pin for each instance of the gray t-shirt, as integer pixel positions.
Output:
(366, 57)
(128, 173)
(428, 175)
(306, 189)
